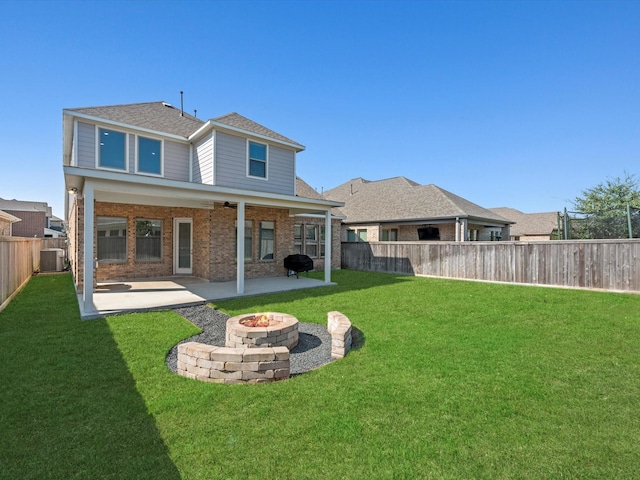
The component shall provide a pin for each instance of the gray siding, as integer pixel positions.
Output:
(176, 161)
(203, 161)
(86, 145)
(231, 166)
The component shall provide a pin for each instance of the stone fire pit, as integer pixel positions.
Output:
(269, 329)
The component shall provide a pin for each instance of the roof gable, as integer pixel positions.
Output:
(239, 122)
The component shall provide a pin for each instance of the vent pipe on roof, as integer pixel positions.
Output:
(195, 113)
(181, 104)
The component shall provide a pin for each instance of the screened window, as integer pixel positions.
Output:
(112, 239)
(362, 235)
(307, 241)
(111, 149)
(311, 240)
(257, 160)
(390, 235)
(267, 238)
(351, 236)
(248, 241)
(149, 155)
(297, 239)
(148, 240)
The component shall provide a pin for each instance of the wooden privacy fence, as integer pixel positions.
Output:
(602, 264)
(19, 258)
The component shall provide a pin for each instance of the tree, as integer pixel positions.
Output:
(604, 209)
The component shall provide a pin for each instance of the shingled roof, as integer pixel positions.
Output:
(164, 118)
(304, 190)
(528, 224)
(157, 116)
(236, 120)
(401, 199)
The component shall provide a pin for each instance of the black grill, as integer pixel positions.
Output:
(297, 263)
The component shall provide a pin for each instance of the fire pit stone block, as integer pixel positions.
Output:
(282, 331)
(233, 364)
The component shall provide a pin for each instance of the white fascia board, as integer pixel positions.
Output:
(223, 126)
(10, 218)
(67, 138)
(125, 126)
(200, 132)
(160, 187)
(318, 215)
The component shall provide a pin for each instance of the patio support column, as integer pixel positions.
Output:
(327, 246)
(89, 254)
(240, 248)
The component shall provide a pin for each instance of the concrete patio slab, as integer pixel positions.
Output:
(111, 298)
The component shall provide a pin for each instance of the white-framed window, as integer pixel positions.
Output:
(298, 241)
(309, 240)
(112, 239)
(149, 156)
(148, 240)
(248, 241)
(257, 155)
(390, 235)
(267, 240)
(112, 149)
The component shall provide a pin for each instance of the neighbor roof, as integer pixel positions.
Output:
(529, 223)
(401, 199)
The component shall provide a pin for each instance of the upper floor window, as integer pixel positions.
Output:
(257, 166)
(112, 149)
(149, 156)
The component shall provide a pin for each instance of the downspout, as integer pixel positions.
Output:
(327, 246)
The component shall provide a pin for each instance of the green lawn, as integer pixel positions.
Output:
(451, 379)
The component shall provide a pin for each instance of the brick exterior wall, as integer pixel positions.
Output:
(406, 233)
(32, 224)
(214, 244)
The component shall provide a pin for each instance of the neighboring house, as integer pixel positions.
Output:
(156, 192)
(6, 223)
(399, 209)
(35, 216)
(56, 224)
(530, 226)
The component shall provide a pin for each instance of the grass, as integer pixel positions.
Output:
(452, 380)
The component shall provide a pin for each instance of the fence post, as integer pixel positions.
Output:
(566, 225)
(629, 220)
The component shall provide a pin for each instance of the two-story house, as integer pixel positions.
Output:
(155, 192)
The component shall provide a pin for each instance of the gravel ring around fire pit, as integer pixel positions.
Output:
(313, 349)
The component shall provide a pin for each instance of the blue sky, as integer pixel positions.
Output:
(506, 103)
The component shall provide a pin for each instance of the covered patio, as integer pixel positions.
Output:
(112, 298)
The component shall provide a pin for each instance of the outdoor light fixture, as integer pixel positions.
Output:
(73, 190)
(228, 205)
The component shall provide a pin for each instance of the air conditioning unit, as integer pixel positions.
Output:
(52, 260)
